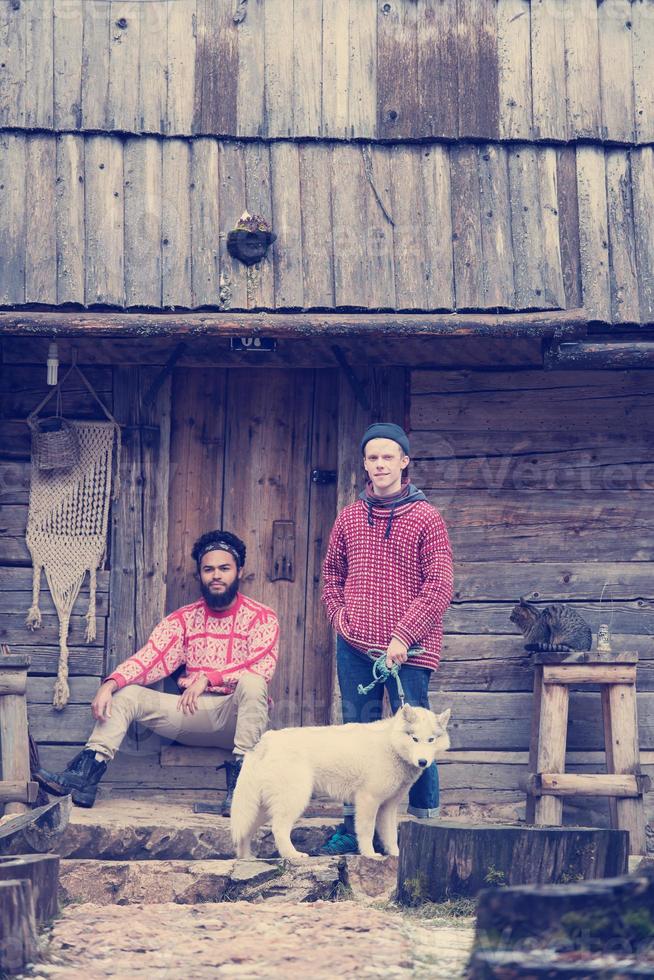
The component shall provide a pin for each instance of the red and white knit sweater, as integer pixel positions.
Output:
(221, 645)
(376, 587)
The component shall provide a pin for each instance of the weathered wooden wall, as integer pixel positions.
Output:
(390, 69)
(143, 222)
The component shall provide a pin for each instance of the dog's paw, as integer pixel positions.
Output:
(393, 852)
(297, 857)
(372, 856)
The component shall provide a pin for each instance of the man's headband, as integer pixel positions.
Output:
(220, 545)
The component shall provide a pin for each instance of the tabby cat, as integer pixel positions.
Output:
(556, 628)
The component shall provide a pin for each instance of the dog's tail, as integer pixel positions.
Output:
(246, 815)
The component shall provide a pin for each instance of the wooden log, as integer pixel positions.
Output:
(594, 674)
(18, 944)
(586, 784)
(447, 860)
(600, 355)
(544, 324)
(14, 745)
(36, 831)
(42, 872)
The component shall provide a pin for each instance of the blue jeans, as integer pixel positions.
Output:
(355, 668)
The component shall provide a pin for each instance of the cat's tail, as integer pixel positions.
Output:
(247, 809)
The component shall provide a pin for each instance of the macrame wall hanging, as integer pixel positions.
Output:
(70, 494)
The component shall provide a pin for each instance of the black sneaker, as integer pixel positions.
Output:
(80, 778)
(232, 771)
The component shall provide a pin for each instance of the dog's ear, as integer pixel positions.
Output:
(444, 717)
(408, 713)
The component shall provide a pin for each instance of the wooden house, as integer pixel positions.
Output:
(463, 197)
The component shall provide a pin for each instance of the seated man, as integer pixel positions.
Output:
(228, 644)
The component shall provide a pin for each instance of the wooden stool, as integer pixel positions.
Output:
(16, 789)
(547, 781)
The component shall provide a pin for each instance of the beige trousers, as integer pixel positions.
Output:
(234, 722)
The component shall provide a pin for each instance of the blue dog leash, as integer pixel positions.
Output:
(381, 673)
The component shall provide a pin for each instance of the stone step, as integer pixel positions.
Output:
(194, 881)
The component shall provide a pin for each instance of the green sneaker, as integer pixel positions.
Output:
(341, 842)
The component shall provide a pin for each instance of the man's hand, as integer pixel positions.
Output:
(101, 703)
(188, 702)
(396, 652)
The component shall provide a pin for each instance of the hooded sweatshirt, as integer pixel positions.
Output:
(388, 572)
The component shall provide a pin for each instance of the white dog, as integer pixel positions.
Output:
(373, 764)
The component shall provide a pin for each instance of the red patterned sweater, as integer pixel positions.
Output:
(376, 587)
(219, 644)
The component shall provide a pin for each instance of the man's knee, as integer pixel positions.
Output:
(251, 686)
(130, 699)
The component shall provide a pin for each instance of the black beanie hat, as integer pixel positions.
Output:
(386, 430)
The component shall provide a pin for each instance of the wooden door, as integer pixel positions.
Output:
(244, 444)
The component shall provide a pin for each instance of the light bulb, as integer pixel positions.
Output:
(53, 364)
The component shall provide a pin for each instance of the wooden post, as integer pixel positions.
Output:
(530, 812)
(551, 748)
(622, 755)
(18, 940)
(14, 742)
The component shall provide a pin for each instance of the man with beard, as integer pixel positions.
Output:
(227, 644)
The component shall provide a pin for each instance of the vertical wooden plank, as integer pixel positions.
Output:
(205, 222)
(233, 281)
(526, 227)
(268, 445)
(478, 68)
(316, 209)
(548, 70)
(642, 171)
(348, 197)
(566, 163)
(197, 445)
(153, 55)
(95, 64)
(143, 206)
(362, 86)
(68, 48)
(123, 108)
(532, 768)
(551, 748)
(622, 751)
(13, 199)
(397, 69)
(40, 230)
(39, 52)
(279, 41)
(258, 200)
(593, 232)
(438, 82)
(466, 227)
(514, 65)
(69, 219)
(176, 224)
(622, 250)
(335, 67)
(378, 226)
(317, 673)
(287, 222)
(643, 45)
(439, 287)
(104, 214)
(180, 70)
(250, 105)
(551, 270)
(495, 217)
(582, 69)
(411, 267)
(12, 56)
(216, 68)
(616, 71)
(307, 68)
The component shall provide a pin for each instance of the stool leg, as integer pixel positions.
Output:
(530, 811)
(622, 753)
(608, 751)
(551, 748)
(14, 744)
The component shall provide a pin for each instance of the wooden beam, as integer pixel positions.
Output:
(587, 784)
(598, 354)
(571, 323)
(18, 792)
(590, 674)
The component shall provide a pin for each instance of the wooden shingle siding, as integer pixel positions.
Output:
(143, 222)
(365, 69)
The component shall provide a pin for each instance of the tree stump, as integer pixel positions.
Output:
(42, 871)
(38, 831)
(447, 860)
(18, 944)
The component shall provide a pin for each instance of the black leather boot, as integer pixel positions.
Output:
(80, 778)
(232, 770)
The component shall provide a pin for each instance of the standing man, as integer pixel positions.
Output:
(228, 645)
(387, 583)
